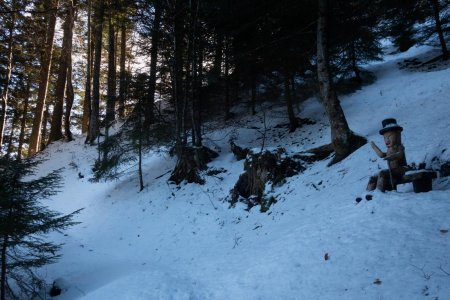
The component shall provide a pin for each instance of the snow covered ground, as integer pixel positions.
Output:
(316, 242)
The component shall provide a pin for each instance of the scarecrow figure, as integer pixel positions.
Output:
(395, 157)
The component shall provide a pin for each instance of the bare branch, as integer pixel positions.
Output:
(427, 276)
(444, 271)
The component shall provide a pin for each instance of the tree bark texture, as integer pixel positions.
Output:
(14, 121)
(87, 93)
(343, 140)
(178, 63)
(70, 95)
(197, 99)
(295, 97)
(195, 59)
(149, 105)
(218, 56)
(293, 123)
(141, 177)
(123, 71)
(23, 121)
(44, 74)
(227, 80)
(45, 121)
(61, 82)
(5, 89)
(111, 102)
(94, 122)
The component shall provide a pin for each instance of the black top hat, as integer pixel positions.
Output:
(390, 125)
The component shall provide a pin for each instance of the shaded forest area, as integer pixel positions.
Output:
(131, 75)
(162, 68)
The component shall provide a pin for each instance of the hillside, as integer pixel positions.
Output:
(184, 242)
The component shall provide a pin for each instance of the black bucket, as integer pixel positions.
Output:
(422, 185)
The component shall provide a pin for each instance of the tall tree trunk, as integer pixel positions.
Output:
(196, 61)
(65, 59)
(123, 72)
(4, 264)
(438, 25)
(45, 121)
(111, 102)
(178, 73)
(44, 74)
(94, 122)
(236, 86)
(253, 99)
(69, 103)
(227, 80)
(4, 260)
(70, 95)
(5, 89)
(295, 96)
(11, 133)
(218, 56)
(354, 64)
(111, 92)
(190, 159)
(343, 140)
(140, 129)
(149, 105)
(199, 98)
(190, 65)
(23, 121)
(87, 94)
(293, 123)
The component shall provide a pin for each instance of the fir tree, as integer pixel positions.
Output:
(132, 139)
(24, 224)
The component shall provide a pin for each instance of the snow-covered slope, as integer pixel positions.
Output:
(183, 242)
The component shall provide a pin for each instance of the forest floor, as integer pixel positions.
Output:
(316, 242)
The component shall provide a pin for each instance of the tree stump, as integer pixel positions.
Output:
(190, 162)
(259, 169)
(239, 152)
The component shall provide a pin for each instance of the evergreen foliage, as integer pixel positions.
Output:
(130, 139)
(436, 23)
(409, 22)
(24, 224)
(400, 17)
(355, 37)
(200, 59)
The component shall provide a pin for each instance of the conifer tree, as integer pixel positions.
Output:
(4, 85)
(61, 83)
(94, 121)
(343, 140)
(131, 141)
(24, 223)
(35, 139)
